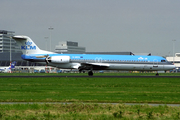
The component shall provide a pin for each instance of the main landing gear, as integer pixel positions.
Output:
(90, 73)
(157, 74)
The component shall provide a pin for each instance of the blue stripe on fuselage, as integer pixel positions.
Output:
(98, 57)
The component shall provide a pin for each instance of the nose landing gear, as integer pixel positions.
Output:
(90, 73)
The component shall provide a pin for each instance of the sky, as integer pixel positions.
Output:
(138, 26)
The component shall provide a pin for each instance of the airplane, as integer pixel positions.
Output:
(90, 62)
(8, 69)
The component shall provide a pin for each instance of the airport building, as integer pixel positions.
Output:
(73, 48)
(6, 42)
(175, 60)
(69, 47)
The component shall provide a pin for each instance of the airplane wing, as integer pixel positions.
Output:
(93, 66)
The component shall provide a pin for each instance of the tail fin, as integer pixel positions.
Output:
(13, 64)
(27, 46)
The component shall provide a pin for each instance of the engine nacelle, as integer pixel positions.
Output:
(59, 59)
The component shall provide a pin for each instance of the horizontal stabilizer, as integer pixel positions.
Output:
(19, 38)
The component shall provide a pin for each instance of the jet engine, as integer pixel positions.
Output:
(58, 59)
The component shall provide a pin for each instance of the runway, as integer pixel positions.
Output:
(78, 76)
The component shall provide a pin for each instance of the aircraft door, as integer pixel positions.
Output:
(155, 63)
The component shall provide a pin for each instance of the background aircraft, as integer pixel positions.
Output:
(9, 68)
(90, 62)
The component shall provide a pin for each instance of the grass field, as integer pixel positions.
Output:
(90, 91)
(120, 90)
(80, 111)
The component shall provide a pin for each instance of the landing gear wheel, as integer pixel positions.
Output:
(157, 74)
(90, 73)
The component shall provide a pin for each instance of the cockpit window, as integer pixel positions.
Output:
(163, 60)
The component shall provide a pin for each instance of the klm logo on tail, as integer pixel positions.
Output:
(28, 46)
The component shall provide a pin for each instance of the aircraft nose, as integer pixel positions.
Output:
(169, 67)
(172, 67)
